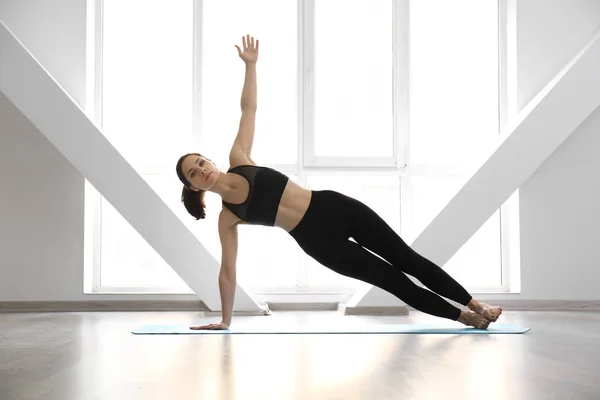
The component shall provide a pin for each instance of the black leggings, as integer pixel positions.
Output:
(324, 232)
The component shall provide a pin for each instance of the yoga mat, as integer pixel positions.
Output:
(494, 328)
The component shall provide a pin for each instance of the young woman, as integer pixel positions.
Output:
(321, 222)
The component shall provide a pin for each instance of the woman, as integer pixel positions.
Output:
(321, 222)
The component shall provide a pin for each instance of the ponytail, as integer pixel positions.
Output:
(194, 202)
(191, 199)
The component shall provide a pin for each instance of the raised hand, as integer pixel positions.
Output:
(250, 53)
(219, 326)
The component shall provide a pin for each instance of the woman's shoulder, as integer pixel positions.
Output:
(238, 160)
(242, 165)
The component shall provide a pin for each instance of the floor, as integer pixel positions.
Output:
(89, 356)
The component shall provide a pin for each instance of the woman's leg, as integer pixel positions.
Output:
(323, 234)
(350, 259)
(372, 232)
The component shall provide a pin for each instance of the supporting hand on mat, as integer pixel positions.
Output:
(250, 53)
(217, 327)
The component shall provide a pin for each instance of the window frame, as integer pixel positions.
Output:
(400, 17)
(308, 163)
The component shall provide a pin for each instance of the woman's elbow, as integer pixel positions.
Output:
(249, 107)
(227, 275)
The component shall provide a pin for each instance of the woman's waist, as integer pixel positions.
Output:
(294, 203)
(325, 211)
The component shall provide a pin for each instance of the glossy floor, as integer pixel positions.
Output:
(81, 356)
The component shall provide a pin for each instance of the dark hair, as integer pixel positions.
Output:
(192, 200)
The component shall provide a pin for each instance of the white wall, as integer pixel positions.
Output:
(560, 256)
(549, 33)
(55, 33)
(41, 208)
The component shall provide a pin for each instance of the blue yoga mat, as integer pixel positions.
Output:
(495, 328)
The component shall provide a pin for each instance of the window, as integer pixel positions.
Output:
(478, 262)
(147, 116)
(353, 84)
(454, 120)
(332, 114)
(224, 24)
(454, 98)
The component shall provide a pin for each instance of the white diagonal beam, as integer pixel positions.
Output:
(58, 117)
(540, 129)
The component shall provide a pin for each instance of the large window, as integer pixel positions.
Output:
(274, 23)
(147, 71)
(454, 119)
(351, 97)
(353, 83)
(454, 102)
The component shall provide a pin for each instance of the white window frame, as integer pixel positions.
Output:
(93, 198)
(509, 212)
(306, 20)
(308, 163)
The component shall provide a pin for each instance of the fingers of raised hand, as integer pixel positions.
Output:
(248, 43)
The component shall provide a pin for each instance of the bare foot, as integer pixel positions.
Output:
(489, 312)
(470, 318)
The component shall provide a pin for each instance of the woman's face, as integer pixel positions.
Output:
(201, 173)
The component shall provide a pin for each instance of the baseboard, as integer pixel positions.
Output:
(507, 305)
(542, 305)
(329, 306)
(396, 310)
(199, 306)
(102, 305)
(547, 305)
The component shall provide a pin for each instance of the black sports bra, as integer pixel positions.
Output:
(266, 188)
